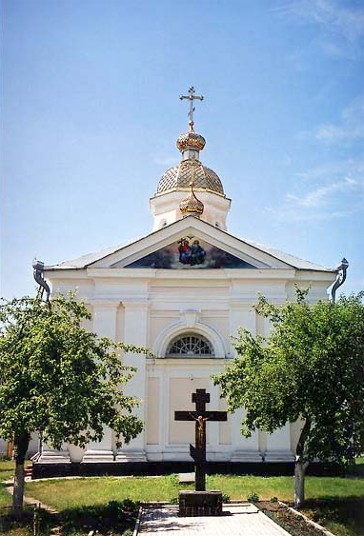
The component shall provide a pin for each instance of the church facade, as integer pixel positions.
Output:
(183, 291)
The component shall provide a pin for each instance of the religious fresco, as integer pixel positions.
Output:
(189, 252)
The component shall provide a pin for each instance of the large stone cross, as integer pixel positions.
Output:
(200, 398)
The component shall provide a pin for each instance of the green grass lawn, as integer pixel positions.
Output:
(6, 472)
(67, 493)
(329, 498)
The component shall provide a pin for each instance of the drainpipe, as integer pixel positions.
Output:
(340, 277)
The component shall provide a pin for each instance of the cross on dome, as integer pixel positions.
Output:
(191, 97)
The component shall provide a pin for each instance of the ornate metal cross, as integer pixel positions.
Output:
(200, 416)
(191, 97)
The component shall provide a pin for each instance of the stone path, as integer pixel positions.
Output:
(244, 519)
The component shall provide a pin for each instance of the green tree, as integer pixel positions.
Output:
(309, 369)
(59, 380)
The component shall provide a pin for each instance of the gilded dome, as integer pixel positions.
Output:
(191, 205)
(187, 172)
(190, 140)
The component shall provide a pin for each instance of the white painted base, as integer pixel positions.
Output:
(98, 456)
(54, 456)
(128, 456)
(218, 456)
(279, 456)
(246, 456)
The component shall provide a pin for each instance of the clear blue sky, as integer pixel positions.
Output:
(91, 113)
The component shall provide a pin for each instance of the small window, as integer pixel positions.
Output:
(190, 345)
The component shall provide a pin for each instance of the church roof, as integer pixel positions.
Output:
(90, 259)
(292, 260)
(187, 171)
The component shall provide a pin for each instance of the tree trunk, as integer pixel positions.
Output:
(301, 466)
(21, 443)
(299, 483)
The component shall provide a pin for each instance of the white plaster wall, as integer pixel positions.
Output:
(165, 208)
(148, 308)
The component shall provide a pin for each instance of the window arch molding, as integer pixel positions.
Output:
(172, 332)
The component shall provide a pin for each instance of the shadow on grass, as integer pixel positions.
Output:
(28, 524)
(348, 511)
(115, 517)
(357, 470)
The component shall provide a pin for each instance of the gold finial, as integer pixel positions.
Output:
(191, 206)
(191, 97)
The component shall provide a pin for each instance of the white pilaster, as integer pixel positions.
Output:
(104, 324)
(212, 427)
(242, 315)
(49, 455)
(244, 449)
(136, 326)
(278, 446)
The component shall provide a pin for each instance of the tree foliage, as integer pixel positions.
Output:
(58, 379)
(310, 368)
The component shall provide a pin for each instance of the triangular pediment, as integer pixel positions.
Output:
(189, 244)
(160, 250)
(190, 252)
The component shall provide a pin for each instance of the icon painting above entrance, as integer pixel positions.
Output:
(190, 252)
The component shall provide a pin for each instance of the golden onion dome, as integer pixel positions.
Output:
(187, 171)
(191, 206)
(190, 170)
(190, 140)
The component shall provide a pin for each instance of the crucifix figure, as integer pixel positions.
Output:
(191, 97)
(200, 398)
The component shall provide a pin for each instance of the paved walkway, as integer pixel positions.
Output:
(240, 519)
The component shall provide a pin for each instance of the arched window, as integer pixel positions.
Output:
(190, 345)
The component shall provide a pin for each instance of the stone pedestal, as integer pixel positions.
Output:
(48, 455)
(98, 456)
(127, 456)
(200, 503)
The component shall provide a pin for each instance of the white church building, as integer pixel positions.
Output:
(183, 291)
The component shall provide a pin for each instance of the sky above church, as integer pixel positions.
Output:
(91, 113)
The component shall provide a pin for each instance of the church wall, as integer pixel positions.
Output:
(317, 291)
(149, 308)
(219, 321)
(208, 286)
(153, 411)
(159, 321)
(120, 323)
(225, 433)
(177, 379)
(180, 399)
(295, 431)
